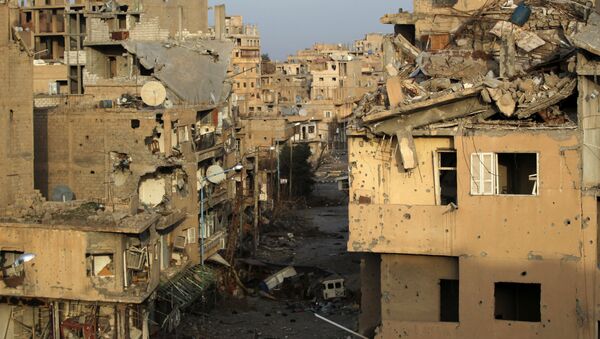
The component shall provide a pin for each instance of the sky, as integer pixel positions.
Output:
(289, 25)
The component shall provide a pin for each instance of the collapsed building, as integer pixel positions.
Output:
(474, 174)
(119, 186)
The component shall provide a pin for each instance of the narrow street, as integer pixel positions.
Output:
(316, 239)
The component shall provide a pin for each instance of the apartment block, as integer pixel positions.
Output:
(473, 176)
(121, 187)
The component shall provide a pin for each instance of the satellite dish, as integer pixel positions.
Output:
(215, 174)
(62, 193)
(153, 93)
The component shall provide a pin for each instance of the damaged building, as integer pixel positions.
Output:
(120, 187)
(474, 174)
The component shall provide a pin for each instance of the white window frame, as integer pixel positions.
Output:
(486, 167)
(191, 235)
(488, 162)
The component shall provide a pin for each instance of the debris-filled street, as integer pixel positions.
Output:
(313, 241)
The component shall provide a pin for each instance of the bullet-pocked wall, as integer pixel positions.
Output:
(503, 243)
(16, 117)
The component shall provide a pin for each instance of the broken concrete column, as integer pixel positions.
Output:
(219, 22)
(407, 149)
(394, 91)
(507, 55)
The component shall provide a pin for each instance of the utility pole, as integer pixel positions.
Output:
(278, 173)
(291, 164)
(256, 196)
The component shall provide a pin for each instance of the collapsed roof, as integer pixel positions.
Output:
(492, 68)
(194, 70)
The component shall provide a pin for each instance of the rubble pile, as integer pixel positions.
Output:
(519, 61)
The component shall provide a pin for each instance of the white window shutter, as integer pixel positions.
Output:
(483, 174)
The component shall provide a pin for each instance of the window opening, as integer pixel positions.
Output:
(517, 301)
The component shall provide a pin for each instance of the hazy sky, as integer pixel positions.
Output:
(289, 25)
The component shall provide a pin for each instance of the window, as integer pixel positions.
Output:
(449, 300)
(446, 165)
(517, 173)
(190, 235)
(482, 174)
(100, 265)
(504, 173)
(516, 301)
(327, 114)
(311, 129)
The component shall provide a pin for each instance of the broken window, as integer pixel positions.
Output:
(100, 265)
(517, 173)
(504, 173)
(12, 273)
(517, 301)
(447, 189)
(449, 300)
(311, 129)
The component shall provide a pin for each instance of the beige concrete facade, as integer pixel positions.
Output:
(16, 140)
(473, 224)
(546, 239)
(118, 177)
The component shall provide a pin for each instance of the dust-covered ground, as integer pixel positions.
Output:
(312, 238)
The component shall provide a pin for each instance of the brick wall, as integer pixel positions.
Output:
(148, 29)
(73, 148)
(16, 122)
(98, 30)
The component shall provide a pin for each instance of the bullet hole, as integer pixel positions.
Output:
(524, 273)
(567, 222)
(80, 145)
(92, 172)
(478, 237)
(135, 123)
(407, 216)
(480, 302)
(87, 137)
